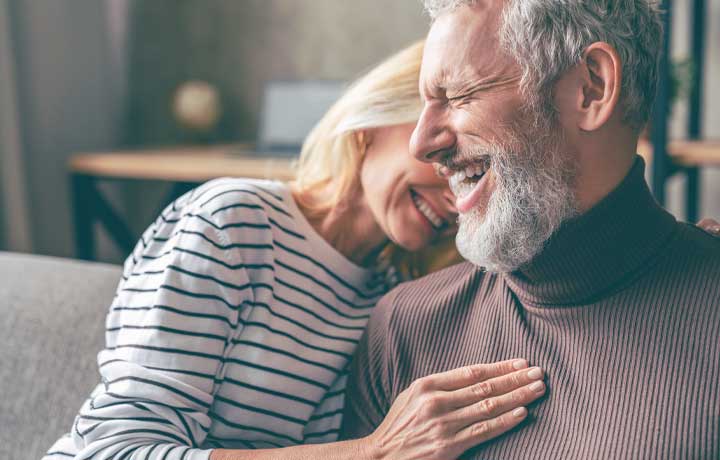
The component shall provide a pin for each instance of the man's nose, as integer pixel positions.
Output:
(432, 139)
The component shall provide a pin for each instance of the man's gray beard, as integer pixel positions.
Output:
(533, 196)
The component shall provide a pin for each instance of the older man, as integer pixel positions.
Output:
(533, 109)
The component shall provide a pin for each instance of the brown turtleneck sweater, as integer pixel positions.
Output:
(622, 310)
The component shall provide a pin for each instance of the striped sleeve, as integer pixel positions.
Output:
(176, 311)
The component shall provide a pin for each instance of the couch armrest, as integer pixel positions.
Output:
(53, 315)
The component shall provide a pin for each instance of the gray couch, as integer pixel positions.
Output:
(53, 316)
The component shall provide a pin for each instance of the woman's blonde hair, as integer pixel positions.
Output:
(332, 155)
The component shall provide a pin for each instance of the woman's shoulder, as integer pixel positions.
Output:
(230, 198)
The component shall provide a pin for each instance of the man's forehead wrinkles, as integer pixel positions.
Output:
(470, 78)
(488, 83)
(455, 78)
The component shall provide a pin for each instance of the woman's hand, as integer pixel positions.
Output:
(711, 226)
(443, 415)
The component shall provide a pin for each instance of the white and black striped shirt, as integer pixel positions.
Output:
(232, 327)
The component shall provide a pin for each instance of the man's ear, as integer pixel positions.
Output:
(599, 86)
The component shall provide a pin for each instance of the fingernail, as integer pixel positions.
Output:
(520, 364)
(537, 387)
(519, 412)
(535, 373)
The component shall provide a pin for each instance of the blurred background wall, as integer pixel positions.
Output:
(94, 75)
(14, 220)
(239, 45)
(710, 177)
(66, 93)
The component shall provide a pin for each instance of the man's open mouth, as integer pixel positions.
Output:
(470, 175)
(465, 183)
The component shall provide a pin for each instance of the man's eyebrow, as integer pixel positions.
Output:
(435, 85)
(432, 90)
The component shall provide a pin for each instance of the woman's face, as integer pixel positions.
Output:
(411, 204)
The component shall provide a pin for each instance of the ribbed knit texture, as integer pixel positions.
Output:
(622, 310)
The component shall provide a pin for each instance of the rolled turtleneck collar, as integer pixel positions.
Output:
(597, 252)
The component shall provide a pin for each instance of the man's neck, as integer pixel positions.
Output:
(602, 166)
(599, 250)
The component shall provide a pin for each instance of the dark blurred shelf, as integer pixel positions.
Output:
(688, 154)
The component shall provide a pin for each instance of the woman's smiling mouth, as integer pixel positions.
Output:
(437, 222)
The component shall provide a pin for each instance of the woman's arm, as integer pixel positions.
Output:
(174, 314)
(437, 418)
(343, 450)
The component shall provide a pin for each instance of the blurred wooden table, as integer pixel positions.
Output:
(184, 167)
(684, 153)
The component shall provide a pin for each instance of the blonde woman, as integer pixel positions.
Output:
(241, 307)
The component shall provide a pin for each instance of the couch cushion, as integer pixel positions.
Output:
(53, 316)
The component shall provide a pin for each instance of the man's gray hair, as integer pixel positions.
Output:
(547, 37)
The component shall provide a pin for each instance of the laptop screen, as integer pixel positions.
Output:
(290, 109)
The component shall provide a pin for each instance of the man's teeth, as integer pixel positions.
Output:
(427, 211)
(470, 172)
(474, 173)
